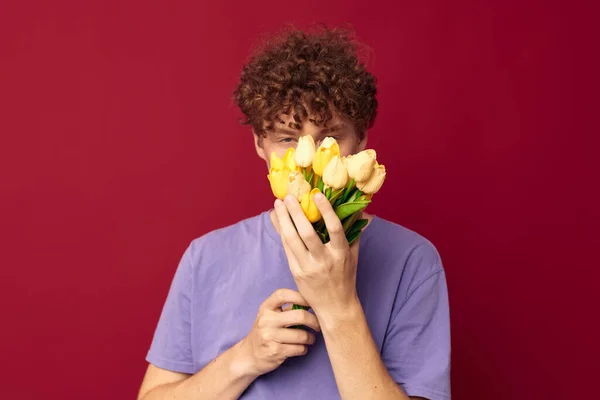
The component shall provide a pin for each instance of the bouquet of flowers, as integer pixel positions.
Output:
(348, 182)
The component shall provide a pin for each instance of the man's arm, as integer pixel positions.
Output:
(226, 377)
(356, 363)
(326, 277)
(270, 342)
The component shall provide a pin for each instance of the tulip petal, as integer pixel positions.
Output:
(279, 181)
(305, 151)
(309, 206)
(328, 149)
(288, 159)
(276, 162)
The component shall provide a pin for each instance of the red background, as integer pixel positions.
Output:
(120, 144)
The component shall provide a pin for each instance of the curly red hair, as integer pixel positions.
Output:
(307, 74)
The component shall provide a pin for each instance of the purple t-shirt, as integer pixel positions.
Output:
(225, 275)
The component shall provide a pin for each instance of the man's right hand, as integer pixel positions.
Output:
(271, 340)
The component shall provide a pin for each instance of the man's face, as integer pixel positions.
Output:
(283, 137)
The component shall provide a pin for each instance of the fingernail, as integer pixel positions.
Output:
(319, 197)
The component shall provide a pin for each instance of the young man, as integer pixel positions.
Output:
(380, 322)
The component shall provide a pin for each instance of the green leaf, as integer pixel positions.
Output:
(356, 230)
(359, 225)
(349, 222)
(335, 196)
(348, 189)
(352, 238)
(321, 185)
(348, 209)
(354, 196)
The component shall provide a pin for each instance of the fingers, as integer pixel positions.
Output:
(288, 232)
(334, 226)
(293, 350)
(298, 317)
(294, 336)
(281, 297)
(303, 227)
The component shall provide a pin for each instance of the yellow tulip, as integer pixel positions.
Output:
(279, 181)
(326, 151)
(276, 162)
(287, 161)
(335, 175)
(361, 165)
(297, 185)
(305, 151)
(310, 207)
(375, 181)
(346, 160)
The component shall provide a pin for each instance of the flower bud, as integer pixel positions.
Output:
(279, 181)
(310, 207)
(275, 162)
(305, 151)
(287, 160)
(335, 174)
(297, 185)
(361, 165)
(375, 181)
(326, 151)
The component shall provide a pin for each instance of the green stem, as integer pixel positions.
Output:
(299, 307)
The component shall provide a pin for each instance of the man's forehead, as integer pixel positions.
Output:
(288, 120)
(284, 128)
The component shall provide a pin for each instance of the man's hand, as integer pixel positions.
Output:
(326, 278)
(271, 341)
(325, 273)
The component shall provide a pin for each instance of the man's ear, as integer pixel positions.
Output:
(362, 144)
(258, 145)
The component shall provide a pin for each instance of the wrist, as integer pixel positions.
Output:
(242, 364)
(349, 314)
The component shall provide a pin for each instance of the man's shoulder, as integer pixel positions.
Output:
(247, 227)
(398, 237)
(398, 243)
(228, 240)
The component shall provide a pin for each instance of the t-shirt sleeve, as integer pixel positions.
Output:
(171, 346)
(416, 350)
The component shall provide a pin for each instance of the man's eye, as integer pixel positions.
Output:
(287, 140)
